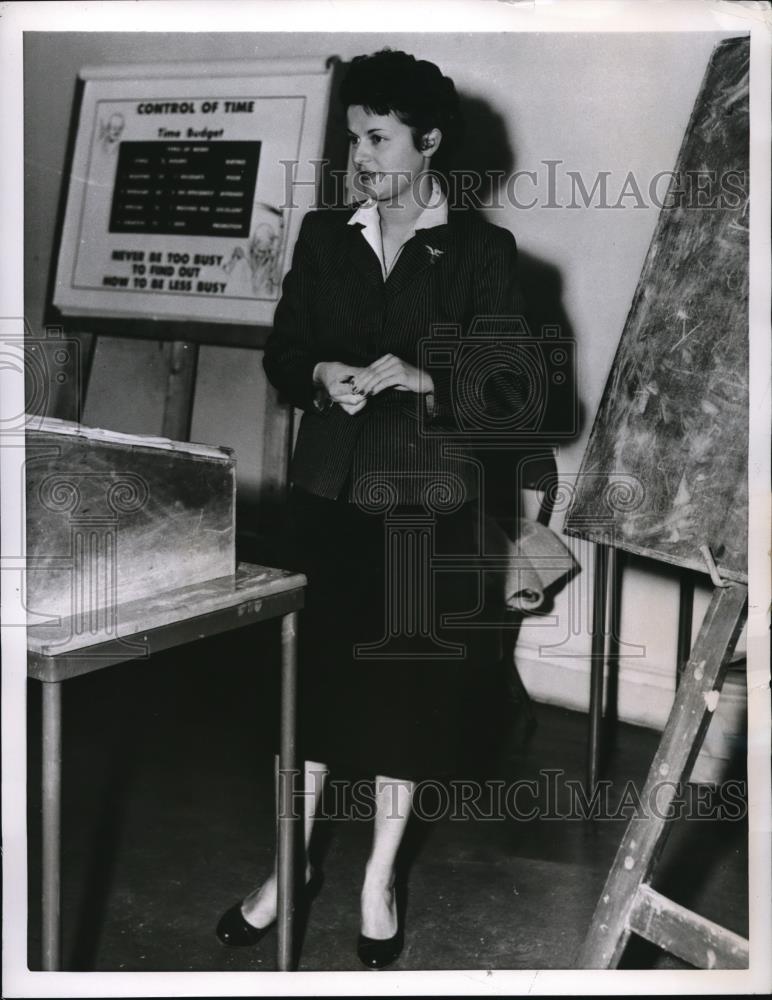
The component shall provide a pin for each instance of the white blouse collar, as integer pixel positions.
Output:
(434, 214)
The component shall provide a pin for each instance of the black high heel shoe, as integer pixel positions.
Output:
(235, 931)
(377, 953)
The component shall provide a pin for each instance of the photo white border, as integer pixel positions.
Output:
(411, 16)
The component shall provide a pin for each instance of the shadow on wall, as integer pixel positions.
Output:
(488, 160)
(480, 171)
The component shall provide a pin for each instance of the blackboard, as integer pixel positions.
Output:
(665, 471)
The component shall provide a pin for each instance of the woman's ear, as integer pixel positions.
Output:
(430, 142)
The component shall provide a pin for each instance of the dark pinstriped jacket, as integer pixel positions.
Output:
(335, 306)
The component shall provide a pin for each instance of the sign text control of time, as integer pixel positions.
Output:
(186, 194)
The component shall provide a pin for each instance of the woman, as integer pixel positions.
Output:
(379, 499)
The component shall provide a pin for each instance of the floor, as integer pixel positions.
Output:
(167, 821)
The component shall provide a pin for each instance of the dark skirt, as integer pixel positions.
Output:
(383, 679)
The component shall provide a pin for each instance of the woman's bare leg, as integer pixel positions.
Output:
(259, 907)
(393, 803)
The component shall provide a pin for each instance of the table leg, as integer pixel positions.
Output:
(52, 814)
(287, 750)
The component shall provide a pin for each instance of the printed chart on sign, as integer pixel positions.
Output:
(183, 189)
(186, 194)
(199, 189)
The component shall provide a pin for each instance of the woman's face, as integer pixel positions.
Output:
(383, 155)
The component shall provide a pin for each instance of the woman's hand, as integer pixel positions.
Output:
(337, 379)
(390, 372)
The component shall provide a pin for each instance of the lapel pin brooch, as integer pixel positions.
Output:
(434, 253)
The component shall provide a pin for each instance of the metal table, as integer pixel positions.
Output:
(84, 643)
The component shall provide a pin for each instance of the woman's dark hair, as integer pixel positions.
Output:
(414, 89)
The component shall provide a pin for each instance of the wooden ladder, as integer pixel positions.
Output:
(628, 904)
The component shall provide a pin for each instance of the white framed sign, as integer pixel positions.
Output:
(187, 187)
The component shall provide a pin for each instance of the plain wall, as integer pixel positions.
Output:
(615, 103)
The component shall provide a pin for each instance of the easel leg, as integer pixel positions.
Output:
(87, 349)
(692, 710)
(52, 826)
(180, 390)
(287, 752)
(685, 617)
(597, 662)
